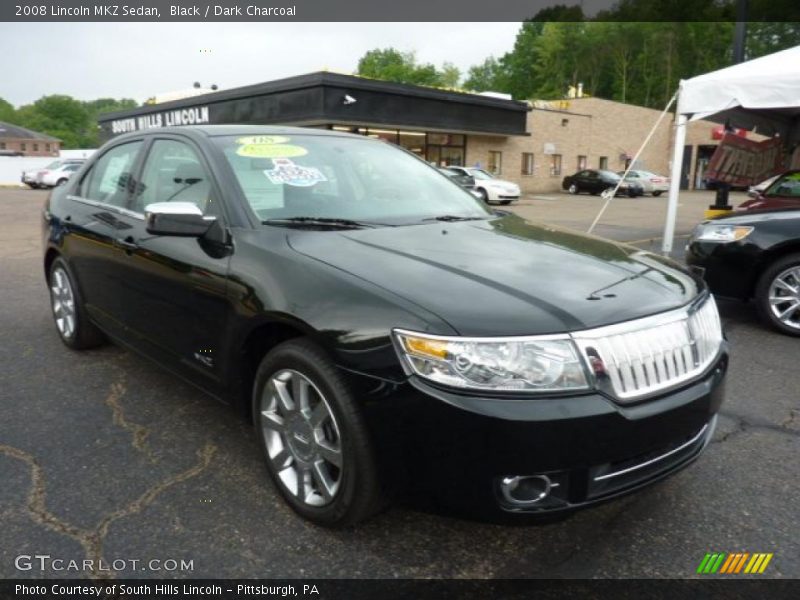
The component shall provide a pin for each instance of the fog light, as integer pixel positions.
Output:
(525, 490)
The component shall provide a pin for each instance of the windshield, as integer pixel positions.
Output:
(480, 174)
(53, 165)
(337, 177)
(787, 186)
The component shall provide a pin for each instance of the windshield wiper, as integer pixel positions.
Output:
(328, 221)
(452, 218)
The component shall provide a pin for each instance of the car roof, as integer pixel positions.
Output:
(232, 130)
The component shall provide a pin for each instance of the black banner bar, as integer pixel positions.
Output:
(731, 588)
(391, 10)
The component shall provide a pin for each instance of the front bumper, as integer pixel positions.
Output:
(460, 449)
(730, 269)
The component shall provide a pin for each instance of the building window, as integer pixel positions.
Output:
(2, 145)
(555, 165)
(495, 162)
(36, 147)
(23, 147)
(47, 147)
(581, 162)
(603, 162)
(527, 163)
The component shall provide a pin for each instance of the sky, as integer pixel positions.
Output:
(140, 60)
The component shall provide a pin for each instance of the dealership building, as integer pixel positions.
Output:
(18, 141)
(534, 144)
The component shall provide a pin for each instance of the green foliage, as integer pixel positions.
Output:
(73, 121)
(402, 67)
(486, 76)
(6, 111)
(635, 62)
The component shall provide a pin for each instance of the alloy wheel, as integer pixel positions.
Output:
(784, 297)
(63, 301)
(302, 437)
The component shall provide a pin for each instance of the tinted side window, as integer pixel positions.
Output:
(173, 172)
(110, 177)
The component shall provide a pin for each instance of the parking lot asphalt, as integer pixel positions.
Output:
(104, 456)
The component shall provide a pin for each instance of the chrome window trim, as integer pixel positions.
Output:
(647, 463)
(105, 205)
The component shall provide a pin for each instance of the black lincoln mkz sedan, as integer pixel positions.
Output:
(599, 182)
(753, 256)
(384, 330)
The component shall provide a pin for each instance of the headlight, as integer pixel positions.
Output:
(710, 232)
(538, 364)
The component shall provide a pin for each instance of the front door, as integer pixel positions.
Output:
(176, 302)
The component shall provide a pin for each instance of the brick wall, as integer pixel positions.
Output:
(590, 127)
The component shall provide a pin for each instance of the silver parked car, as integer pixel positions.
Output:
(652, 183)
(33, 177)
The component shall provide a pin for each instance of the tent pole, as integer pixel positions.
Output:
(674, 184)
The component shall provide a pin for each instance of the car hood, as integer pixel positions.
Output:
(506, 276)
(755, 216)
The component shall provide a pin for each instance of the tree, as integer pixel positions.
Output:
(60, 116)
(389, 64)
(450, 75)
(490, 75)
(7, 112)
(73, 121)
(520, 65)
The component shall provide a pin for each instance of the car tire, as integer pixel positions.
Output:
(656, 194)
(484, 195)
(61, 181)
(573, 189)
(72, 323)
(304, 436)
(632, 193)
(775, 282)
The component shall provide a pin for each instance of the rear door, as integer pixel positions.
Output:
(95, 219)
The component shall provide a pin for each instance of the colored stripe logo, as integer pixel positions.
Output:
(734, 563)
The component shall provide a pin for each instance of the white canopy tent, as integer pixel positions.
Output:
(761, 94)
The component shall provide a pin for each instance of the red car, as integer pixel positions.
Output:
(784, 192)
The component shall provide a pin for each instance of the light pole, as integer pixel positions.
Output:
(740, 32)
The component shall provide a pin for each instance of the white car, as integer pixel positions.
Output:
(490, 187)
(35, 177)
(652, 183)
(54, 177)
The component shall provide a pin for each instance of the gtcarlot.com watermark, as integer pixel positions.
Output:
(54, 564)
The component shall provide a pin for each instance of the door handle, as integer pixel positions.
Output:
(128, 244)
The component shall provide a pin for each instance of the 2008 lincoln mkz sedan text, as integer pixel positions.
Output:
(386, 331)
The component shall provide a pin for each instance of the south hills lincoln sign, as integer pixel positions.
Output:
(196, 115)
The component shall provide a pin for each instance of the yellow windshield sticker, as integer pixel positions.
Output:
(262, 139)
(271, 151)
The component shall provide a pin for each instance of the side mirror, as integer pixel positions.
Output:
(176, 218)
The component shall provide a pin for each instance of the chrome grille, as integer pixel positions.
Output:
(655, 353)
